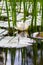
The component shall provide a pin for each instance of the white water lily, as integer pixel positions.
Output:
(22, 25)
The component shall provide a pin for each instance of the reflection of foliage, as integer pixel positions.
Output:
(35, 54)
(23, 56)
(12, 51)
(41, 60)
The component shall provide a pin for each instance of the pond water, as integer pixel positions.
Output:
(31, 53)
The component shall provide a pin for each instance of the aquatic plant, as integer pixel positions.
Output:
(24, 1)
(13, 14)
(1, 7)
(42, 16)
(7, 15)
(34, 16)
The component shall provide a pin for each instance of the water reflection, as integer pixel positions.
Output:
(30, 55)
(23, 33)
